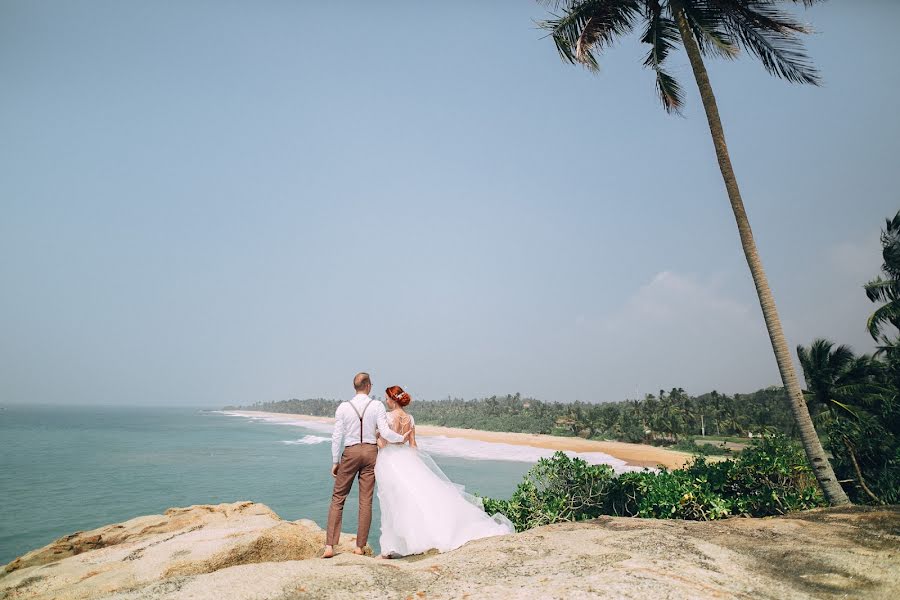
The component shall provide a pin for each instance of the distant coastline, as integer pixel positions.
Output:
(632, 455)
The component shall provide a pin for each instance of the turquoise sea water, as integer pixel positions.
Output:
(65, 469)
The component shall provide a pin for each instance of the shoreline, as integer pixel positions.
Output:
(633, 455)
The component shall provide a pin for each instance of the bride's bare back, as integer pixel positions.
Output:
(401, 422)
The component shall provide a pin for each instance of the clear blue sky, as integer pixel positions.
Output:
(212, 202)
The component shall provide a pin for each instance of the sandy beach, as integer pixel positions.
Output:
(636, 455)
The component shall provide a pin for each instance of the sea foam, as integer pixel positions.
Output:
(286, 419)
(446, 446)
(307, 440)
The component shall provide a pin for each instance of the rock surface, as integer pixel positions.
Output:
(244, 550)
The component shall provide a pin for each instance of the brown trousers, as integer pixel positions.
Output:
(358, 459)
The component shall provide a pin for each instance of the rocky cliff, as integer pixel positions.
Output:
(244, 550)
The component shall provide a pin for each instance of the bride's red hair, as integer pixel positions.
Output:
(396, 393)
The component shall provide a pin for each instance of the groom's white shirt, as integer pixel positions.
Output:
(346, 425)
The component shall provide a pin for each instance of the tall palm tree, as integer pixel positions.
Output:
(887, 290)
(718, 28)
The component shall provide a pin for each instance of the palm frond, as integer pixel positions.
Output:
(863, 370)
(706, 25)
(862, 392)
(890, 242)
(669, 91)
(841, 357)
(882, 290)
(806, 363)
(587, 27)
(807, 2)
(886, 290)
(888, 313)
(762, 14)
(770, 35)
(565, 31)
(888, 347)
(662, 35)
(555, 4)
(846, 407)
(780, 54)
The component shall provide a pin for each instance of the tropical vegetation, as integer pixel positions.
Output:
(666, 418)
(771, 477)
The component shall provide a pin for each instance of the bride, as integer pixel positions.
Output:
(421, 509)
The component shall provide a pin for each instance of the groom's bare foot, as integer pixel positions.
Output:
(359, 551)
(329, 552)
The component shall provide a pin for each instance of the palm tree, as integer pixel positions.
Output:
(887, 290)
(689, 409)
(733, 420)
(850, 392)
(718, 28)
(649, 411)
(836, 379)
(717, 407)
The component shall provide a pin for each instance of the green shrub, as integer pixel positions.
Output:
(557, 489)
(677, 494)
(770, 477)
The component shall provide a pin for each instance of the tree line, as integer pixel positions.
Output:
(662, 418)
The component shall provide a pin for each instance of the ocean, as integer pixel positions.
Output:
(73, 468)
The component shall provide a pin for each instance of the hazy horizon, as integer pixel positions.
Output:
(216, 203)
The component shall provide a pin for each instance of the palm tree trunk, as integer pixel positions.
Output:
(811, 443)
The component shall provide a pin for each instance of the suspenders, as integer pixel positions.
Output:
(360, 416)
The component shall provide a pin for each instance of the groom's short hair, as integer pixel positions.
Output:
(361, 381)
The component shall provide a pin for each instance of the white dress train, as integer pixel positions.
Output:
(421, 509)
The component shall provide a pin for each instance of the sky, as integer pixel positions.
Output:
(219, 202)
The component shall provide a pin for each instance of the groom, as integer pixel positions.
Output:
(355, 423)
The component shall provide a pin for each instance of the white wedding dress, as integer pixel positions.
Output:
(421, 509)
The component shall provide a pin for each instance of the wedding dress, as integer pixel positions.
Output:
(421, 509)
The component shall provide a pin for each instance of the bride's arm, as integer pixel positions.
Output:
(412, 432)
